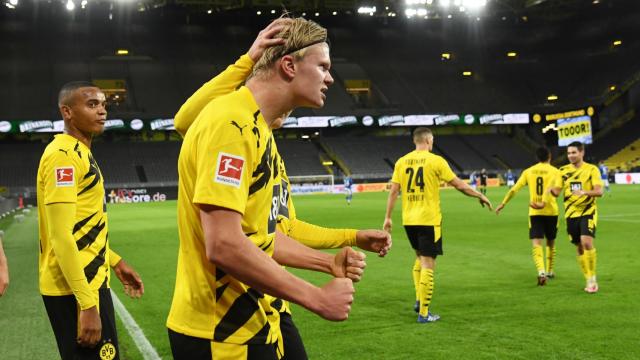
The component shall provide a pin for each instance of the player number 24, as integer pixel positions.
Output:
(419, 179)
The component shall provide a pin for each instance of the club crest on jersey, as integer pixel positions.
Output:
(229, 169)
(65, 176)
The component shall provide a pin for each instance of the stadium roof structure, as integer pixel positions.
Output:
(548, 10)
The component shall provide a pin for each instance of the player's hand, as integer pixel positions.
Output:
(499, 208)
(484, 201)
(376, 241)
(578, 192)
(386, 226)
(537, 205)
(4, 279)
(90, 330)
(266, 38)
(348, 263)
(334, 301)
(130, 279)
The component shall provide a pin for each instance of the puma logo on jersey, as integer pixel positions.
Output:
(238, 126)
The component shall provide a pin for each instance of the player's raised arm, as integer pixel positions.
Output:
(318, 237)
(228, 80)
(228, 248)
(347, 263)
(556, 188)
(4, 268)
(464, 188)
(522, 181)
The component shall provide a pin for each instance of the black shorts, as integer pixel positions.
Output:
(293, 345)
(63, 316)
(543, 226)
(185, 347)
(423, 239)
(583, 225)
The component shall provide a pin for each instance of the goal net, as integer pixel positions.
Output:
(311, 184)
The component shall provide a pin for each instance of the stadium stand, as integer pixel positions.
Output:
(502, 151)
(20, 163)
(611, 142)
(369, 156)
(625, 159)
(160, 74)
(150, 162)
(301, 157)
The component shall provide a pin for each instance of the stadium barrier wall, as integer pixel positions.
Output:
(8, 205)
(125, 195)
(627, 178)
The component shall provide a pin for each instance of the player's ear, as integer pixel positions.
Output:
(65, 111)
(288, 66)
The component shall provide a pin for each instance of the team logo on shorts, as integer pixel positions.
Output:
(229, 169)
(65, 176)
(108, 351)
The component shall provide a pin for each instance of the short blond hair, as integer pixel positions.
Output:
(299, 34)
(421, 134)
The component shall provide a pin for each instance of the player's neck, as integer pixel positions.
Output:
(422, 147)
(578, 164)
(79, 135)
(273, 100)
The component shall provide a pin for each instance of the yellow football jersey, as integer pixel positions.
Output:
(68, 173)
(228, 159)
(540, 177)
(586, 177)
(419, 174)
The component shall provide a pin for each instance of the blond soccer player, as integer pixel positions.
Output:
(418, 176)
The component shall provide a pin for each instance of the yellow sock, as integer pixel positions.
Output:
(425, 290)
(551, 258)
(538, 258)
(584, 266)
(591, 258)
(416, 277)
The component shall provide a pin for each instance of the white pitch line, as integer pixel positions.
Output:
(623, 220)
(146, 349)
(618, 215)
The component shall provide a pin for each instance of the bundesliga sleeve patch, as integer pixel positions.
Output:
(229, 169)
(65, 176)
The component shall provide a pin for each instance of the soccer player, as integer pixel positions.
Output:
(473, 180)
(418, 175)
(543, 210)
(4, 268)
(582, 185)
(288, 223)
(75, 255)
(227, 221)
(511, 179)
(348, 183)
(483, 181)
(604, 176)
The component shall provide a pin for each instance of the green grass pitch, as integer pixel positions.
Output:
(485, 285)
